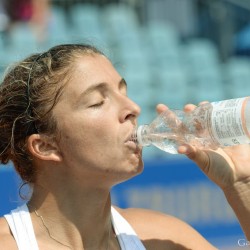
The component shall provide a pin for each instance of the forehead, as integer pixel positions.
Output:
(93, 69)
(89, 70)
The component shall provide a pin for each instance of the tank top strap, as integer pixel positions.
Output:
(20, 224)
(126, 235)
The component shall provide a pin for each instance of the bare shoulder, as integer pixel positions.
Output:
(6, 239)
(161, 231)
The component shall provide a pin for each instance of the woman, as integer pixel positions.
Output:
(66, 124)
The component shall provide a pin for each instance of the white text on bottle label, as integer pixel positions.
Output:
(227, 123)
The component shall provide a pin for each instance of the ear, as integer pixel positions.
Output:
(44, 148)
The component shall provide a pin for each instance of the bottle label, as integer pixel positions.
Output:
(228, 122)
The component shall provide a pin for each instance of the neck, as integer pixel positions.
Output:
(81, 218)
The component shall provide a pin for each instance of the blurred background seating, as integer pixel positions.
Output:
(170, 51)
(175, 50)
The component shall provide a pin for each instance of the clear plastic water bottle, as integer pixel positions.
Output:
(210, 125)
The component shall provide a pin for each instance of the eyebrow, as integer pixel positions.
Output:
(102, 86)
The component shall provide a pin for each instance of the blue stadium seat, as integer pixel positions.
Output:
(237, 73)
(208, 85)
(11, 54)
(87, 22)
(139, 86)
(132, 50)
(120, 20)
(201, 54)
(171, 88)
(58, 30)
(162, 35)
(23, 42)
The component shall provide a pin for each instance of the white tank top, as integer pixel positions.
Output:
(20, 223)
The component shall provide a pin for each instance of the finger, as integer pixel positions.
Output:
(161, 108)
(189, 107)
(200, 157)
(203, 102)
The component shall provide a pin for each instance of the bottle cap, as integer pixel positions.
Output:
(139, 135)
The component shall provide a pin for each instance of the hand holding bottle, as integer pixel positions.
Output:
(224, 165)
(229, 168)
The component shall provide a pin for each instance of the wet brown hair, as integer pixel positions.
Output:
(28, 93)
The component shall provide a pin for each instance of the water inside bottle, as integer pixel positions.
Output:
(167, 142)
(170, 142)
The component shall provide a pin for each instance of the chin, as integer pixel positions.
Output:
(131, 171)
(137, 165)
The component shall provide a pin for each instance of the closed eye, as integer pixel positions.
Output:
(97, 105)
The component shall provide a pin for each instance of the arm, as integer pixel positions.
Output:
(229, 168)
(239, 199)
(160, 231)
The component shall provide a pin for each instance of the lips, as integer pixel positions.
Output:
(132, 137)
(130, 142)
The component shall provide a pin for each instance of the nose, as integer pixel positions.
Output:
(129, 111)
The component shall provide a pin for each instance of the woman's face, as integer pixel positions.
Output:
(95, 120)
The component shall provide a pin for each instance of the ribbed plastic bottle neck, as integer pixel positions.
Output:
(141, 136)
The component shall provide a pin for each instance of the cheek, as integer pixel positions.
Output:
(86, 135)
(96, 138)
